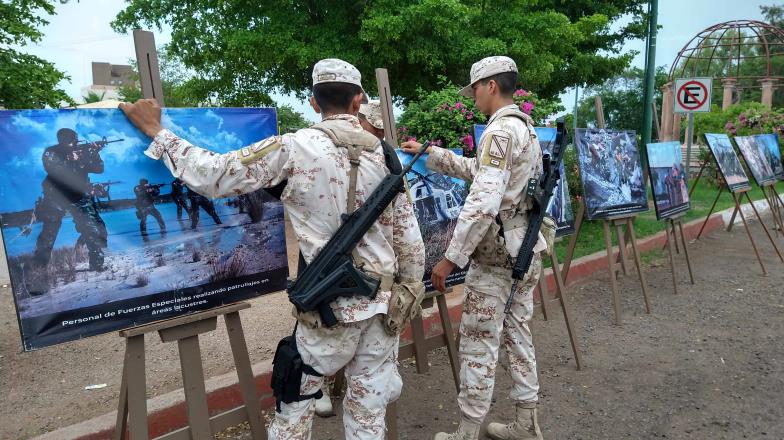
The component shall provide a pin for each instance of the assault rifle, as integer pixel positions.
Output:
(539, 191)
(95, 146)
(332, 273)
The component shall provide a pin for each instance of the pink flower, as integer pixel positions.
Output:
(468, 141)
(520, 92)
(459, 104)
(470, 115)
(729, 126)
(526, 107)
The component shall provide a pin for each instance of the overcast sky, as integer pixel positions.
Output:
(80, 33)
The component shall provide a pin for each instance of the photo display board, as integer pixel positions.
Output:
(668, 179)
(99, 237)
(611, 172)
(437, 201)
(731, 170)
(761, 159)
(560, 206)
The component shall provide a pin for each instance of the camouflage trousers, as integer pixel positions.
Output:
(370, 358)
(484, 328)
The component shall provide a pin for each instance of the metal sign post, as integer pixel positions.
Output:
(692, 95)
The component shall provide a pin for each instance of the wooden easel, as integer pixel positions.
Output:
(624, 228)
(736, 198)
(673, 234)
(560, 293)
(776, 206)
(185, 330)
(421, 345)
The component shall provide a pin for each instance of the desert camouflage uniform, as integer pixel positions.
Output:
(508, 155)
(315, 198)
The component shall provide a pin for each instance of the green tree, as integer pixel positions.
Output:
(290, 120)
(174, 83)
(622, 100)
(774, 14)
(242, 51)
(26, 81)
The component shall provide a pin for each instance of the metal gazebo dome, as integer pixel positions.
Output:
(721, 50)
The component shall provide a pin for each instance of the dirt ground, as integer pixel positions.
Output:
(706, 364)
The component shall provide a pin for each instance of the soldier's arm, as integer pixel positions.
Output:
(94, 163)
(259, 165)
(484, 199)
(407, 240)
(447, 162)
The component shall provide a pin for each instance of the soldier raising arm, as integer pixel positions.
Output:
(315, 162)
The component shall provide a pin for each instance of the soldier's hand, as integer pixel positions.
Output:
(440, 272)
(145, 114)
(413, 147)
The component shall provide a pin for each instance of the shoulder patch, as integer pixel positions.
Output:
(495, 150)
(258, 150)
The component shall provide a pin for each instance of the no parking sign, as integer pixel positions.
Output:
(693, 95)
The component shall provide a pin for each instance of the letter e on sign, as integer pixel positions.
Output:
(693, 95)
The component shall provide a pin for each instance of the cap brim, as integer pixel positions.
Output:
(364, 95)
(467, 91)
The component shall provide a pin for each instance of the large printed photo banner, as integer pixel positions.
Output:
(611, 172)
(761, 159)
(437, 201)
(729, 165)
(668, 179)
(99, 237)
(560, 206)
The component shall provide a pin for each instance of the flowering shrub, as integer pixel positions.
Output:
(447, 119)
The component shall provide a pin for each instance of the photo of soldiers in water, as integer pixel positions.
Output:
(668, 179)
(757, 158)
(611, 172)
(560, 207)
(99, 237)
(729, 164)
(437, 201)
(769, 145)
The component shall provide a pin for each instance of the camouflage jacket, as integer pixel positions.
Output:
(507, 156)
(315, 197)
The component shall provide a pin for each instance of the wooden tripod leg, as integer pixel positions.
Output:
(135, 390)
(239, 350)
(449, 339)
(748, 232)
(543, 294)
(611, 262)
(672, 256)
(561, 292)
(620, 231)
(573, 241)
(777, 225)
(713, 207)
(685, 250)
(765, 228)
(638, 263)
(420, 351)
(121, 424)
(193, 385)
(391, 421)
(732, 218)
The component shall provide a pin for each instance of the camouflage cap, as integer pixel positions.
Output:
(487, 67)
(372, 112)
(336, 70)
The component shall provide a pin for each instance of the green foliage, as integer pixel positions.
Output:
(447, 119)
(93, 97)
(175, 83)
(290, 120)
(622, 100)
(443, 117)
(26, 81)
(242, 51)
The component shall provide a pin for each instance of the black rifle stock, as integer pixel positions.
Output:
(332, 273)
(540, 191)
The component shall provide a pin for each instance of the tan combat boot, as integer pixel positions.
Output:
(466, 431)
(524, 427)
